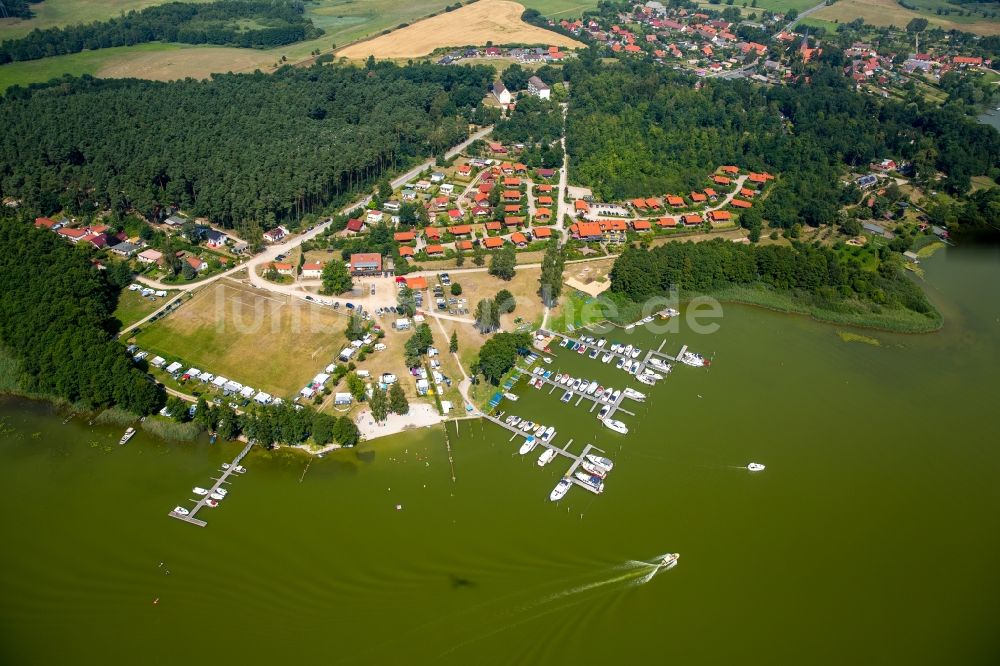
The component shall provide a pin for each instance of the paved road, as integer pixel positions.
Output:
(801, 16)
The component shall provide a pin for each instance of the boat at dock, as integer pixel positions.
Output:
(591, 480)
(510, 396)
(217, 497)
(560, 490)
(646, 379)
(212, 503)
(694, 360)
(197, 490)
(566, 396)
(635, 395)
(222, 491)
(659, 364)
(593, 469)
(670, 560)
(127, 436)
(617, 426)
(649, 373)
(239, 469)
(604, 412)
(548, 455)
(603, 463)
(549, 433)
(181, 511)
(755, 467)
(607, 357)
(529, 443)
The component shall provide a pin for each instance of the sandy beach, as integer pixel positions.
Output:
(420, 416)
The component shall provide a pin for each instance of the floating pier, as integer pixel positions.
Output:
(577, 460)
(219, 482)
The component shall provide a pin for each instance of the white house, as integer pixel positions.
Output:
(312, 270)
(215, 239)
(538, 88)
(437, 177)
(447, 188)
(374, 217)
(274, 235)
(501, 93)
(150, 257)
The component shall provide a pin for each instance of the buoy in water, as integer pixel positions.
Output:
(399, 507)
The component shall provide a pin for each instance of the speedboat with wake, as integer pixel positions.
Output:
(560, 490)
(616, 425)
(669, 560)
(755, 467)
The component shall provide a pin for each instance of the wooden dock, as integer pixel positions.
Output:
(576, 460)
(219, 482)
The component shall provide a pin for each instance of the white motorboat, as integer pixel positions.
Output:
(669, 561)
(634, 369)
(549, 433)
(617, 394)
(529, 444)
(514, 420)
(636, 352)
(604, 412)
(630, 327)
(576, 384)
(566, 396)
(217, 497)
(546, 359)
(591, 388)
(591, 480)
(560, 490)
(659, 364)
(646, 379)
(599, 392)
(212, 503)
(198, 490)
(617, 426)
(593, 469)
(602, 342)
(649, 373)
(181, 511)
(603, 463)
(539, 430)
(607, 357)
(239, 469)
(668, 313)
(628, 350)
(635, 395)
(127, 436)
(692, 359)
(620, 363)
(510, 396)
(755, 467)
(222, 491)
(526, 426)
(548, 455)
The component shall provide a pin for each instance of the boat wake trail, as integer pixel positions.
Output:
(633, 573)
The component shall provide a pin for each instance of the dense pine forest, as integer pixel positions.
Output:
(17, 8)
(248, 147)
(56, 322)
(224, 22)
(638, 130)
(815, 275)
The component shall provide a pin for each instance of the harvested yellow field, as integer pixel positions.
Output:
(890, 12)
(197, 63)
(497, 21)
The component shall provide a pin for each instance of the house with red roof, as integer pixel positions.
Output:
(675, 201)
(666, 222)
(518, 239)
(404, 236)
(581, 207)
(513, 221)
(698, 197)
(418, 283)
(492, 242)
(72, 235)
(463, 245)
(541, 232)
(460, 230)
(434, 249)
(543, 215)
(44, 223)
(493, 226)
(406, 251)
(432, 233)
(740, 203)
(720, 180)
(641, 225)
(281, 267)
(312, 270)
(731, 170)
(512, 182)
(480, 211)
(366, 263)
(463, 171)
(355, 225)
(586, 231)
(719, 216)
(511, 195)
(692, 219)
(544, 201)
(749, 194)
(711, 194)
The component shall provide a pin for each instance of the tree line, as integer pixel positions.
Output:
(56, 321)
(276, 23)
(635, 129)
(237, 148)
(815, 274)
(17, 8)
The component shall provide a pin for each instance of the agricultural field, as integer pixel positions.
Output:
(890, 12)
(77, 64)
(265, 340)
(58, 13)
(167, 64)
(497, 21)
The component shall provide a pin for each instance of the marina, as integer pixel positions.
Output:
(575, 460)
(214, 494)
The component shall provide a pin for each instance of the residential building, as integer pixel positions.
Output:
(312, 270)
(501, 93)
(366, 263)
(274, 235)
(538, 88)
(150, 257)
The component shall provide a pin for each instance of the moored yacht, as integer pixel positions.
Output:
(646, 379)
(529, 443)
(635, 395)
(593, 469)
(617, 426)
(127, 436)
(566, 396)
(604, 412)
(510, 396)
(560, 490)
(549, 433)
(620, 363)
(694, 360)
(181, 511)
(591, 480)
(603, 463)
(659, 364)
(548, 455)
(197, 490)
(607, 357)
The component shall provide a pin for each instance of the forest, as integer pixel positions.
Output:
(17, 8)
(815, 275)
(56, 322)
(537, 123)
(275, 23)
(240, 147)
(638, 130)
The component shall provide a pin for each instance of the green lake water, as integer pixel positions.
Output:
(871, 538)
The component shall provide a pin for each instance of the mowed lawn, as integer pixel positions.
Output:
(77, 64)
(261, 339)
(133, 306)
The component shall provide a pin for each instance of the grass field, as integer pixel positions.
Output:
(132, 306)
(86, 62)
(498, 21)
(58, 13)
(890, 12)
(264, 340)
